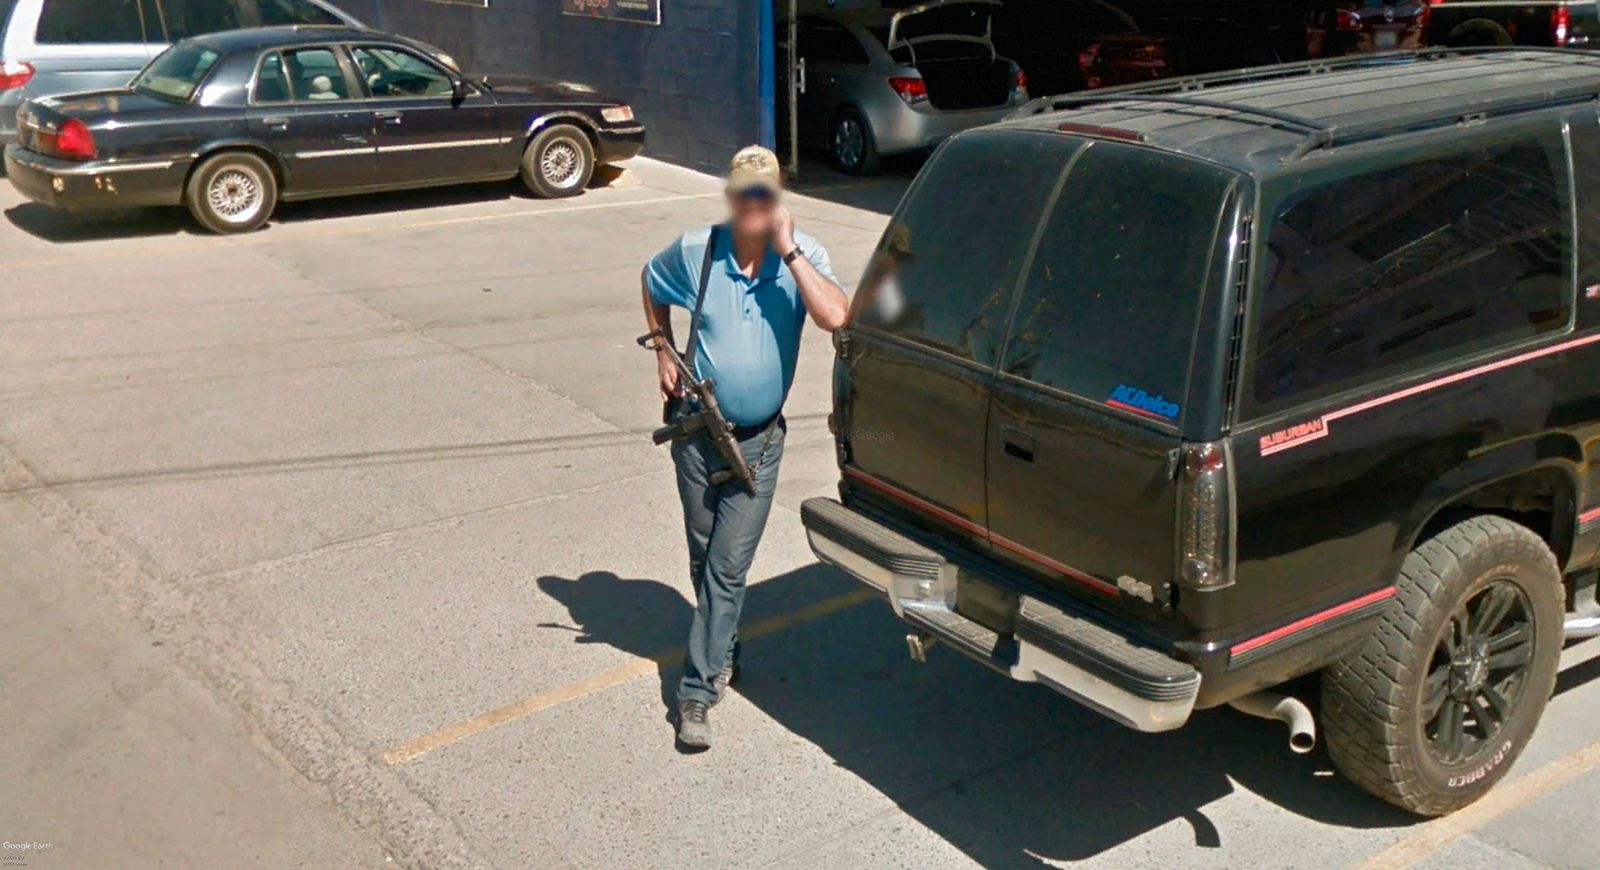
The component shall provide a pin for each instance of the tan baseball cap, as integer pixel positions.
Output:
(755, 167)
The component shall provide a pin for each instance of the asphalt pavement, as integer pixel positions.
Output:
(343, 544)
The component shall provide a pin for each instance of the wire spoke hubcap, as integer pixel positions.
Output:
(1477, 673)
(560, 164)
(235, 195)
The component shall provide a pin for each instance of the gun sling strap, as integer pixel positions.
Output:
(700, 297)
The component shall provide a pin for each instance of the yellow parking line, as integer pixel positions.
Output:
(1504, 798)
(459, 731)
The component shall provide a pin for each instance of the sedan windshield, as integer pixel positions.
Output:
(177, 72)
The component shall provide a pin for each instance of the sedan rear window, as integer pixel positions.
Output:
(178, 72)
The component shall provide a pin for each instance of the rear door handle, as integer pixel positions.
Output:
(393, 119)
(1019, 443)
(276, 122)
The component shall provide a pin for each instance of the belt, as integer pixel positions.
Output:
(742, 433)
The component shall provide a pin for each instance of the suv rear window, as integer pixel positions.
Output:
(1450, 252)
(1111, 301)
(944, 273)
(81, 22)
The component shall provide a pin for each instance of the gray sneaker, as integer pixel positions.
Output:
(693, 727)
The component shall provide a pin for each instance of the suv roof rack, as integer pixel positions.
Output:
(1196, 102)
(1321, 135)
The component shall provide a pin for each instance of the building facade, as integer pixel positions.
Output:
(695, 80)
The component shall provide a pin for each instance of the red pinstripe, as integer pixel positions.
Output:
(1261, 640)
(954, 519)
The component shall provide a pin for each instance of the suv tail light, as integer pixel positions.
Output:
(912, 89)
(72, 141)
(14, 74)
(1022, 82)
(1561, 25)
(1347, 18)
(1206, 517)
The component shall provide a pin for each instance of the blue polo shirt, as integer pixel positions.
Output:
(749, 328)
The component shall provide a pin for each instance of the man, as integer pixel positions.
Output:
(764, 278)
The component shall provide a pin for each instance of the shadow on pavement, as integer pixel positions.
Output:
(61, 227)
(1009, 773)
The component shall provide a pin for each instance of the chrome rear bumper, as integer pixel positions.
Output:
(1136, 685)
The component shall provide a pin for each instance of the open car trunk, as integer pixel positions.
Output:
(948, 42)
(967, 83)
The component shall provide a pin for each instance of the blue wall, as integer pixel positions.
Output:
(694, 81)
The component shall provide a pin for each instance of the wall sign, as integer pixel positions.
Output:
(636, 11)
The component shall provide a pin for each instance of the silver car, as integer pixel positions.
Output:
(880, 82)
(50, 47)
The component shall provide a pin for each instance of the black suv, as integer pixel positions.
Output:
(1165, 396)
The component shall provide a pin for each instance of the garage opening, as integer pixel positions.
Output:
(859, 81)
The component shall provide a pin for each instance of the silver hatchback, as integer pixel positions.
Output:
(876, 82)
(50, 47)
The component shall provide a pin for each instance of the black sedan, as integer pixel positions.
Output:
(230, 123)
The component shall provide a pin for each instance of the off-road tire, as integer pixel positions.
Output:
(213, 208)
(864, 162)
(1372, 702)
(558, 162)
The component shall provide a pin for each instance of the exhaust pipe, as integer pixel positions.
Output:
(1580, 627)
(1289, 711)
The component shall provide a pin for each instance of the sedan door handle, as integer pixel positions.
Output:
(393, 119)
(276, 122)
(1019, 443)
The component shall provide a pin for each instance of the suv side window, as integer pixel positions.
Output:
(90, 22)
(186, 18)
(276, 12)
(944, 273)
(1451, 252)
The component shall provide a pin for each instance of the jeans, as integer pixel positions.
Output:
(723, 524)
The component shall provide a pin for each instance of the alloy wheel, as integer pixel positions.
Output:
(235, 195)
(849, 141)
(1478, 672)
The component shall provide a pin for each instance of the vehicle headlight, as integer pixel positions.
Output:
(617, 114)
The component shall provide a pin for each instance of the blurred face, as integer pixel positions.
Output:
(751, 210)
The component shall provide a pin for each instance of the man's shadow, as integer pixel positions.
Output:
(650, 619)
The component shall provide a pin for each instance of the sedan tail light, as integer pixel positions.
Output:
(912, 89)
(1347, 18)
(72, 141)
(1206, 517)
(14, 74)
(1022, 82)
(1561, 25)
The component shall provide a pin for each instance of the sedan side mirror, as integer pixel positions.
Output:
(460, 88)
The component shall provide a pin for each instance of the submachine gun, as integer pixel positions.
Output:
(697, 412)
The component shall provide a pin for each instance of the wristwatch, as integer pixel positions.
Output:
(793, 255)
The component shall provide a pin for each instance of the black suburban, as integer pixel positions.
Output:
(1213, 384)
(232, 122)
